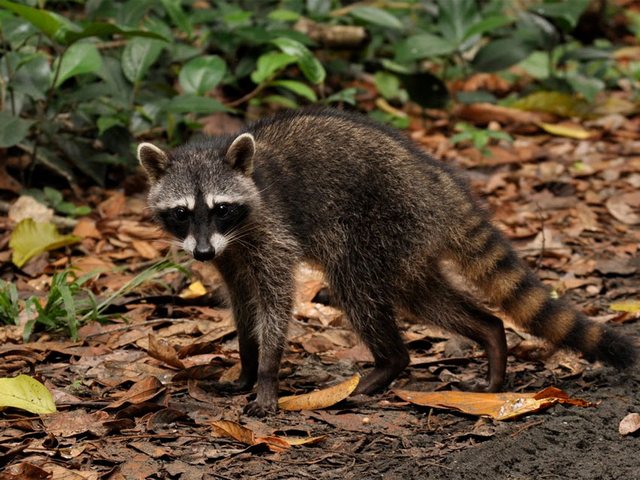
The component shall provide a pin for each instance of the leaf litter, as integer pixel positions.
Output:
(129, 393)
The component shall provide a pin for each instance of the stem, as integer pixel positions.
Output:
(10, 74)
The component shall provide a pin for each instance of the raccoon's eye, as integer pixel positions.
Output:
(180, 214)
(222, 210)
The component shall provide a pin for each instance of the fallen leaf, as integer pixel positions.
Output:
(30, 238)
(556, 103)
(28, 207)
(631, 306)
(227, 428)
(86, 228)
(141, 391)
(499, 406)
(566, 130)
(321, 398)
(76, 422)
(629, 424)
(625, 207)
(145, 249)
(194, 290)
(164, 352)
(26, 393)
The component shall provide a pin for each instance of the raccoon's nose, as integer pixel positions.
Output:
(204, 255)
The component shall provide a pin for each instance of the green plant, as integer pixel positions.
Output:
(69, 303)
(53, 198)
(9, 303)
(478, 137)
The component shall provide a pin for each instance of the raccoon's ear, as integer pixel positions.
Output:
(240, 153)
(153, 160)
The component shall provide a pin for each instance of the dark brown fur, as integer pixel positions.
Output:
(379, 216)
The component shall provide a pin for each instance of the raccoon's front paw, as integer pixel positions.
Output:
(258, 409)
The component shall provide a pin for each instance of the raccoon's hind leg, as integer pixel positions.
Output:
(433, 300)
(373, 320)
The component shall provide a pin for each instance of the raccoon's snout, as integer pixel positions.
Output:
(204, 255)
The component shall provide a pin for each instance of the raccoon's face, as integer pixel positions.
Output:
(202, 193)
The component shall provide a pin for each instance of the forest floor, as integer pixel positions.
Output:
(130, 407)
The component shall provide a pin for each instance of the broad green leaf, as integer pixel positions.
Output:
(283, 15)
(291, 47)
(376, 16)
(567, 13)
(423, 45)
(201, 74)
(387, 84)
(487, 24)
(52, 25)
(195, 104)
(270, 63)
(32, 75)
(308, 63)
(500, 54)
(298, 88)
(99, 29)
(585, 54)
(455, 17)
(27, 394)
(179, 18)
(138, 56)
(31, 238)
(588, 87)
(12, 129)
(280, 100)
(348, 95)
(79, 58)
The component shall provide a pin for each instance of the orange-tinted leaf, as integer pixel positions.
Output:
(164, 352)
(499, 406)
(321, 398)
(195, 290)
(227, 428)
(140, 392)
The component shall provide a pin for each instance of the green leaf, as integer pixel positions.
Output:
(201, 74)
(179, 18)
(387, 84)
(454, 18)
(99, 29)
(270, 63)
(12, 129)
(283, 15)
(79, 58)
(348, 95)
(52, 25)
(281, 100)
(30, 238)
(585, 54)
(32, 75)
(291, 47)
(588, 87)
(487, 24)
(311, 67)
(567, 13)
(376, 16)
(423, 45)
(298, 88)
(138, 56)
(27, 394)
(500, 54)
(195, 104)
(52, 196)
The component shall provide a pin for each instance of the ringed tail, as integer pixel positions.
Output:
(490, 262)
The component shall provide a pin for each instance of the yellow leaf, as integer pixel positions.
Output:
(31, 238)
(571, 131)
(322, 398)
(195, 290)
(500, 406)
(26, 393)
(631, 306)
(556, 103)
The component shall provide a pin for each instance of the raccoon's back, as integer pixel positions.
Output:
(332, 170)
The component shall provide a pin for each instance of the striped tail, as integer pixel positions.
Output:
(490, 262)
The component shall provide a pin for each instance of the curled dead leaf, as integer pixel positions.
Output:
(164, 352)
(227, 428)
(321, 398)
(141, 391)
(499, 406)
(625, 207)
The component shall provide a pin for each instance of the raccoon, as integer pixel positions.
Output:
(379, 216)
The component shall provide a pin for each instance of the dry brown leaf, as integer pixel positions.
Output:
(145, 249)
(164, 352)
(629, 424)
(227, 428)
(76, 422)
(86, 228)
(321, 398)
(625, 207)
(112, 207)
(141, 391)
(499, 406)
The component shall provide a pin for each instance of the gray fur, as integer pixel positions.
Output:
(376, 213)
